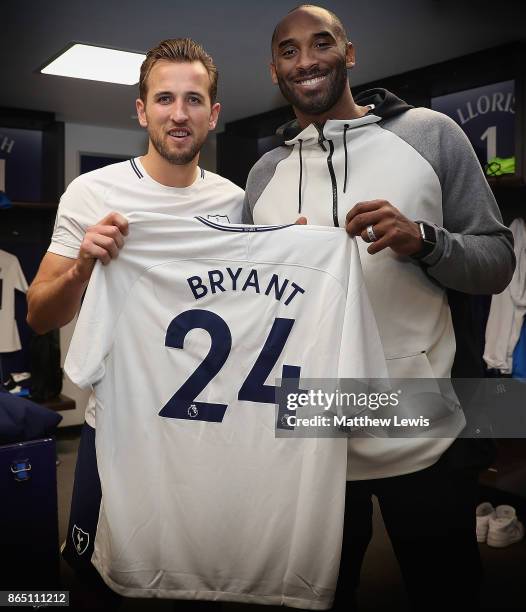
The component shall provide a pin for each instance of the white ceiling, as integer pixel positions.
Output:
(391, 36)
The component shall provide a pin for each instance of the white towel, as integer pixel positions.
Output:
(507, 310)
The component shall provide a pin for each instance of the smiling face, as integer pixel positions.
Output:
(310, 61)
(178, 113)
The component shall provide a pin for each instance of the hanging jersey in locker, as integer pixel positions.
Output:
(11, 278)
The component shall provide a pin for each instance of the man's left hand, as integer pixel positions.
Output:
(391, 228)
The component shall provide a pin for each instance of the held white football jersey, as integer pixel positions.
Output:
(126, 187)
(183, 338)
(11, 278)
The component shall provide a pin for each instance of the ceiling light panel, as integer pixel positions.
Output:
(81, 61)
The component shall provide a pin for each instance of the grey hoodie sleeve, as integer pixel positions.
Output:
(246, 215)
(474, 251)
(259, 177)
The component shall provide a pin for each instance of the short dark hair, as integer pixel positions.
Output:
(178, 50)
(338, 25)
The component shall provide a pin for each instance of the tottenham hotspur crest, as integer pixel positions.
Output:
(219, 218)
(80, 540)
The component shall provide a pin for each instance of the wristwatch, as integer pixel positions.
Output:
(429, 237)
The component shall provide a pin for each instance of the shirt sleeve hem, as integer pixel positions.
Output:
(64, 250)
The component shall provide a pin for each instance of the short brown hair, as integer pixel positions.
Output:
(178, 50)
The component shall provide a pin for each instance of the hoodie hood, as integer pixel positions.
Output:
(384, 105)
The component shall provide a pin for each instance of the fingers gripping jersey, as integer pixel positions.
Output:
(183, 338)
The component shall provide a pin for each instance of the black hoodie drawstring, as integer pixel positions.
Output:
(345, 128)
(301, 178)
(331, 171)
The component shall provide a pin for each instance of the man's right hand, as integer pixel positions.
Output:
(56, 291)
(101, 241)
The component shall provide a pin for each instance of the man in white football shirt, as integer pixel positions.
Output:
(177, 105)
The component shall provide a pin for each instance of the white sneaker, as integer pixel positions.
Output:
(484, 511)
(504, 527)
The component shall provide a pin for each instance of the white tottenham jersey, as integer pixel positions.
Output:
(183, 338)
(11, 278)
(126, 187)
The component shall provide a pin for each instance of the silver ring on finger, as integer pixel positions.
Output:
(370, 234)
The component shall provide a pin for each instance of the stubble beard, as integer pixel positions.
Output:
(320, 102)
(177, 159)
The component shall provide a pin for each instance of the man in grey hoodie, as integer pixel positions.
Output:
(406, 182)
